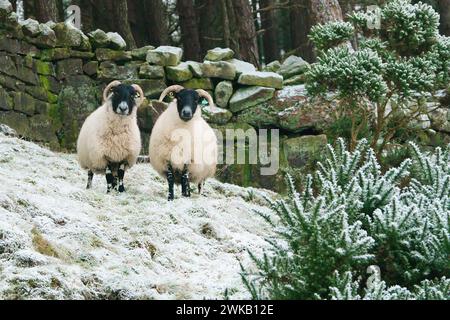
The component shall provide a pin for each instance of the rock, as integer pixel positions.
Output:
(80, 93)
(440, 119)
(17, 121)
(292, 66)
(24, 103)
(9, 82)
(7, 65)
(82, 54)
(41, 94)
(46, 38)
(115, 41)
(216, 115)
(245, 98)
(261, 116)
(49, 83)
(44, 68)
(30, 27)
(274, 66)
(104, 54)
(42, 129)
(44, 107)
(198, 83)
(165, 56)
(242, 66)
(196, 68)
(24, 72)
(5, 8)
(6, 102)
(300, 151)
(68, 67)
(98, 39)
(110, 71)
(219, 54)
(152, 88)
(91, 68)
(223, 93)
(179, 73)
(262, 79)
(298, 114)
(141, 53)
(69, 36)
(148, 71)
(219, 69)
(55, 54)
(295, 80)
(7, 131)
(17, 46)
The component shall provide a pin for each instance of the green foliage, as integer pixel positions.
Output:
(404, 59)
(349, 216)
(331, 34)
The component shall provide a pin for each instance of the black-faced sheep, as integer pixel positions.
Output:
(183, 147)
(109, 140)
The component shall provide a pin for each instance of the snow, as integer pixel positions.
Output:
(128, 246)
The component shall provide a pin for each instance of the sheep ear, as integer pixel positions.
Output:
(140, 92)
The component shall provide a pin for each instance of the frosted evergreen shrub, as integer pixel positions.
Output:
(381, 79)
(350, 219)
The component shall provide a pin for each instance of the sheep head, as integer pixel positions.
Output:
(123, 97)
(187, 100)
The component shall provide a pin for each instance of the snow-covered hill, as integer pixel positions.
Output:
(59, 241)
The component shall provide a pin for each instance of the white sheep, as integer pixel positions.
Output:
(182, 144)
(109, 140)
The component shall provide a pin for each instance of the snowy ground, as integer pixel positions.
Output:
(59, 241)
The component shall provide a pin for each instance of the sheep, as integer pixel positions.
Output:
(182, 143)
(109, 142)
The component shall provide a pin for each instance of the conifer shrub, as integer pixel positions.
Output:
(355, 232)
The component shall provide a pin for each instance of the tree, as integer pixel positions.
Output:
(269, 23)
(189, 30)
(444, 10)
(245, 31)
(119, 22)
(323, 11)
(46, 10)
(300, 25)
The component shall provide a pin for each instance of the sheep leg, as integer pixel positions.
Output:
(171, 181)
(185, 187)
(90, 177)
(200, 187)
(109, 178)
(121, 175)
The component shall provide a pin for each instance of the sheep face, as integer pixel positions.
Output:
(123, 99)
(187, 101)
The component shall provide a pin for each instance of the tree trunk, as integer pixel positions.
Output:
(300, 28)
(46, 10)
(120, 21)
(248, 48)
(87, 15)
(268, 23)
(28, 8)
(444, 11)
(211, 20)
(155, 16)
(323, 11)
(189, 29)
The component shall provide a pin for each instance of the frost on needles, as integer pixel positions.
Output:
(349, 216)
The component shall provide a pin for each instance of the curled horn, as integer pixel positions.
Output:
(141, 94)
(108, 88)
(174, 88)
(202, 93)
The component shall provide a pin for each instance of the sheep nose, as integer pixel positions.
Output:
(123, 107)
(186, 113)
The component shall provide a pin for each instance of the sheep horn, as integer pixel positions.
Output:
(108, 88)
(204, 94)
(141, 93)
(174, 88)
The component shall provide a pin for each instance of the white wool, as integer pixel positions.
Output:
(193, 143)
(108, 137)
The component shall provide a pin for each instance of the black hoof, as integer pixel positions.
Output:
(121, 189)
